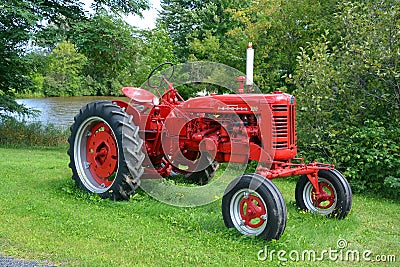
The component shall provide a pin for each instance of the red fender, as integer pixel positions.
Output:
(130, 110)
(140, 96)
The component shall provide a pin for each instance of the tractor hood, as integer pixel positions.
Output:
(239, 103)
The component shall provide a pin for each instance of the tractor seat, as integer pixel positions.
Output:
(140, 96)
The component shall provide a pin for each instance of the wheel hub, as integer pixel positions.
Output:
(102, 154)
(326, 197)
(252, 211)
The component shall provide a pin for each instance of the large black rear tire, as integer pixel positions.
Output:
(105, 151)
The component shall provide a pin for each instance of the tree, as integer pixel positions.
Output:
(155, 47)
(360, 74)
(220, 31)
(63, 75)
(277, 30)
(19, 20)
(111, 47)
(22, 21)
(370, 57)
(187, 20)
(125, 7)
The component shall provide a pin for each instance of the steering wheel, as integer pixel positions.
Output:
(161, 77)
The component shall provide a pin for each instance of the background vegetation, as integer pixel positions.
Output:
(340, 59)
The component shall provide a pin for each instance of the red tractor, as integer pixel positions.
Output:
(114, 145)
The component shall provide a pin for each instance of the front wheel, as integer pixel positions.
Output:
(254, 206)
(334, 199)
(101, 162)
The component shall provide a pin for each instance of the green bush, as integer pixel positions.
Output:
(368, 155)
(347, 89)
(16, 133)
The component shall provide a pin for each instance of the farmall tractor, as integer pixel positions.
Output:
(114, 145)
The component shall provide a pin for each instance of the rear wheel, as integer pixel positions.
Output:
(98, 155)
(200, 172)
(334, 200)
(254, 206)
(204, 176)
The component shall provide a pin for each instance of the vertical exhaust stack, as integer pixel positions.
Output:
(249, 67)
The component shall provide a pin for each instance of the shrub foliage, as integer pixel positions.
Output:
(17, 133)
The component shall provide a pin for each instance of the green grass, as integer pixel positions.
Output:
(44, 217)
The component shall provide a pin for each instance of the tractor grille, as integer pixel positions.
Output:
(292, 125)
(284, 129)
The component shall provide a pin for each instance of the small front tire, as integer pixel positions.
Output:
(255, 207)
(335, 197)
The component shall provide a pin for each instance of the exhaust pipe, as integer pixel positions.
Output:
(249, 67)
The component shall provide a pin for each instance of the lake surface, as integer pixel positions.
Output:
(60, 111)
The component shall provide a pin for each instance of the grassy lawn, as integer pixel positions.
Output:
(44, 217)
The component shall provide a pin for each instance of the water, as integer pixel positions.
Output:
(60, 111)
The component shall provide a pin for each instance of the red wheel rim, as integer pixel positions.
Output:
(252, 211)
(102, 154)
(326, 197)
